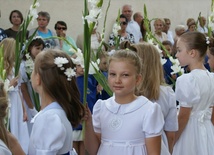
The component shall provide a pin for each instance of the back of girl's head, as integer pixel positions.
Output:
(9, 45)
(195, 40)
(56, 84)
(3, 111)
(152, 70)
(128, 56)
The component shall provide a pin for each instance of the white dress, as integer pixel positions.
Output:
(25, 79)
(4, 149)
(195, 90)
(51, 133)
(17, 126)
(167, 101)
(124, 127)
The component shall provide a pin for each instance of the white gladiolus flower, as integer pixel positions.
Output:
(150, 41)
(116, 28)
(176, 69)
(93, 67)
(163, 61)
(159, 50)
(79, 60)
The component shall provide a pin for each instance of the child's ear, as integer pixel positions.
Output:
(38, 79)
(193, 53)
(138, 79)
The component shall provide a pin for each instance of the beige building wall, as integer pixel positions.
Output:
(70, 11)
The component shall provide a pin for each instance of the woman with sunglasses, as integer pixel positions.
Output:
(61, 28)
(122, 33)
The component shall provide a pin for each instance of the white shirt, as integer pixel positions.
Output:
(202, 29)
(134, 29)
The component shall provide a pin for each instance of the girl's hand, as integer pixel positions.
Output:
(88, 115)
(99, 88)
(25, 116)
(14, 82)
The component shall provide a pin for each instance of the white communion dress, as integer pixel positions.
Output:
(195, 90)
(124, 127)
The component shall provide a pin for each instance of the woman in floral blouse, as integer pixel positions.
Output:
(123, 35)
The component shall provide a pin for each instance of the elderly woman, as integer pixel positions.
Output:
(43, 21)
(122, 33)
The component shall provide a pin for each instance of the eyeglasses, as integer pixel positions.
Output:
(61, 28)
(123, 23)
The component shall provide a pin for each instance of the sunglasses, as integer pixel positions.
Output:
(61, 28)
(123, 23)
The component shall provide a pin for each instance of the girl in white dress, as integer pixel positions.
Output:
(35, 47)
(8, 143)
(60, 104)
(194, 91)
(18, 116)
(153, 87)
(124, 124)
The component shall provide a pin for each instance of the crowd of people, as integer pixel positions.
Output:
(151, 112)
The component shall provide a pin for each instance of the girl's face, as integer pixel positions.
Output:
(182, 53)
(168, 48)
(103, 65)
(36, 50)
(16, 19)
(122, 78)
(79, 70)
(210, 60)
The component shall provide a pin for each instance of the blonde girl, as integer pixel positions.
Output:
(18, 116)
(125, 123)
(153, 87)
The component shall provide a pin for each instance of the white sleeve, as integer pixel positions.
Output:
(171, 119)
(187, 91)
(153, 121)
(48, 134)
(96, 116)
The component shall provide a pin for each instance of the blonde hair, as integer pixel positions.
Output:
(3, 111)
(9, 45)
(129, 56)
(152, 70)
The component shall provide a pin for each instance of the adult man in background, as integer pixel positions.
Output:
(133, 26)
